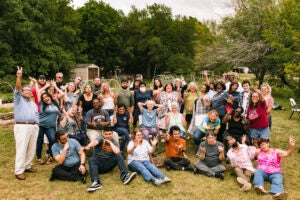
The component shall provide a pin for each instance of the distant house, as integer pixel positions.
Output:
(86, 71)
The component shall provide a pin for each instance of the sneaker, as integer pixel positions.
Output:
(157, 182)
(280, 196)
(188, 168)
(129, 177)
(166, 179)
(95, 186)
(260, 190)
(168, 168)
(196, 171)
(219, 175)
(83, 179)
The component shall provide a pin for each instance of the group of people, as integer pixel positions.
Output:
(223, 119)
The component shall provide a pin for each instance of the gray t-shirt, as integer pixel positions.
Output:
(212, 153)
(103, 150)
(72, 156)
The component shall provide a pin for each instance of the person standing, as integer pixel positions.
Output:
(26, 128)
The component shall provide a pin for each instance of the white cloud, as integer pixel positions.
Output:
(201, 9)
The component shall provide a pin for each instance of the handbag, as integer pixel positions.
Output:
(253, 115)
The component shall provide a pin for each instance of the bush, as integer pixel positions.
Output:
(282, 92)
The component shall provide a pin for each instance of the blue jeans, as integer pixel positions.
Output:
(83, 124)
(124, 134)
(146, 169)
(104, 165)
(198, 134)
(263, 133)
(50, 132)
(276, 180)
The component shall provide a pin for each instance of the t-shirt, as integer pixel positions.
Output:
(122, 120)
(212, 125)
(125, 97)
(240, 158)
(48, 117)
(97, 116)
(174, 148)
(211, 154)
(87, 105)
(262, 120)
(149, 118)
(72, 156)
(141, 152)
(103, 150)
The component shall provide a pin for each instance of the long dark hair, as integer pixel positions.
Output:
(46, 105)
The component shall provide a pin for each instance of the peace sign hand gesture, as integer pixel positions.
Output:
(19, 71)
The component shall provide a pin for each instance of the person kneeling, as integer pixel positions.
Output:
(211, 154)
(139, 161)
(106, 156)
(70, 157)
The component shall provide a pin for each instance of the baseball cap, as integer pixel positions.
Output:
(42, 77)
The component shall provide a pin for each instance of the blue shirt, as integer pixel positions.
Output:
(149, 118)
(72, 156)
(48, 117)
(25, 110)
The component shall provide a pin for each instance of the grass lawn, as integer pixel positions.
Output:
(184, 185)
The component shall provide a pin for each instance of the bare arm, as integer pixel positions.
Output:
(287, 153)
(19, 78)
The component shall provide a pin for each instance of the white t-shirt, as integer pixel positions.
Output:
(141, 152)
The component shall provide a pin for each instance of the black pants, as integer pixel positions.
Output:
(61, 172)
(176, 163)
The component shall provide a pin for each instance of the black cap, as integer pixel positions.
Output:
(42, 77)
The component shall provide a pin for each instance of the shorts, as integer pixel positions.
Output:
(263, 133)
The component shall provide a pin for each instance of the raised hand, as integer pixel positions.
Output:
(154, 141)
(292, 141)
(19, 71)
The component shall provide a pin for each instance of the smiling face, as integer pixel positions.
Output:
(107, 135)
(211, 139)
(255, 97)
(46, 99)
(88, 89)
(26, 92)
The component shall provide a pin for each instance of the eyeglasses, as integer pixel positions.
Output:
(139, 134)
(59, 77)
(28, 90)
(255, 96)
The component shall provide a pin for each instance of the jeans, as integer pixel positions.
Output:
(124, 134)
(83, 124)
(50, 132)
(198, 134)
(276, 180)
(146, 169)
(104, 165)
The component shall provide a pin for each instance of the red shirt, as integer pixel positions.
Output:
(262, 120)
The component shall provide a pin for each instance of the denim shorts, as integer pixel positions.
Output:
(260, 133)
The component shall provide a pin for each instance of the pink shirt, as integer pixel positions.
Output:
(241, 157)
(269, 162)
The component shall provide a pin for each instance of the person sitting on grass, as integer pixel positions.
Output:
(211, 123)
(105, 157)
(176, 157)
(211, 154)
(268, 168)
(139, 161)
(240, 156)
(70, 157)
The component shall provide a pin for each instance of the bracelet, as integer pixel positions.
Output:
(82, 164)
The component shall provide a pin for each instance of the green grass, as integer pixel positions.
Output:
(184, 185)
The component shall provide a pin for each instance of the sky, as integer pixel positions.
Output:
(200, 9)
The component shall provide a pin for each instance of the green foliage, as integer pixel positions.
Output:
(282, 92)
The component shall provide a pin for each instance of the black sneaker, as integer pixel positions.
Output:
(219, 175)
(168, 168)
(128, 178)
(196, 171)
(188, 168)
(95, 186)
(83, 179)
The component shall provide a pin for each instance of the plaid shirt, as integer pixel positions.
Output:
(199, 109)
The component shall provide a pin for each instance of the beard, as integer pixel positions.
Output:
(124, 87)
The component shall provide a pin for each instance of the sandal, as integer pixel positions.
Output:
(49, 161)
(41, 161)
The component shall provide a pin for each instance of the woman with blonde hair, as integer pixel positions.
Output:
(211, 123)
(266, 92)
(108, 98)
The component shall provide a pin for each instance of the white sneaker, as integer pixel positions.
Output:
(166, 179)
(158, 182)
(95, 186)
